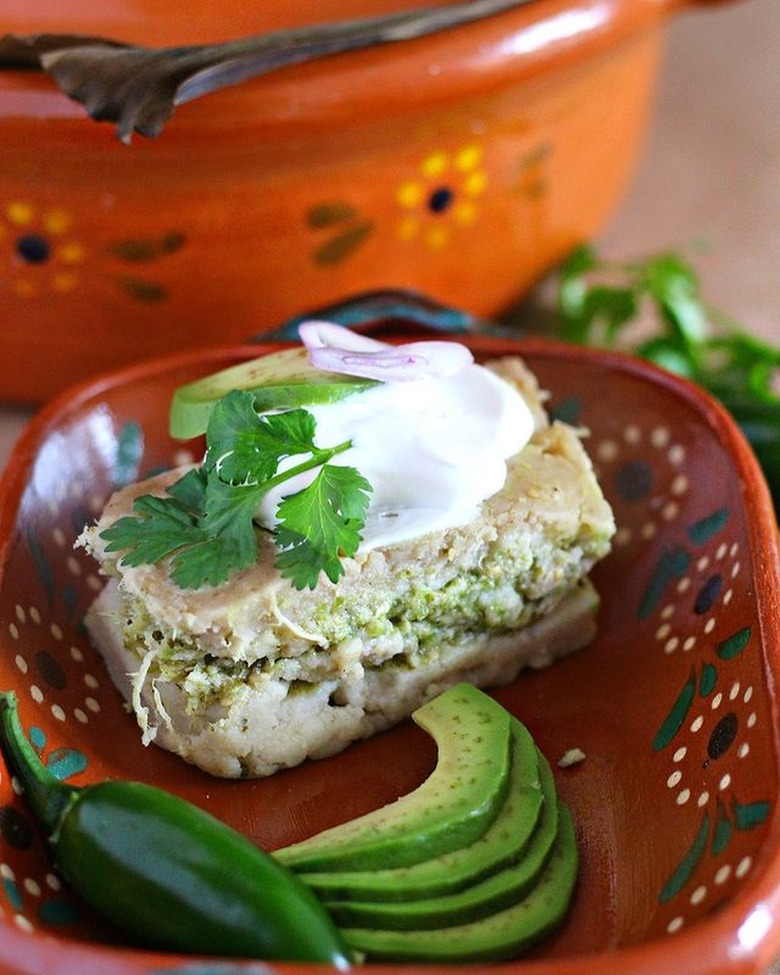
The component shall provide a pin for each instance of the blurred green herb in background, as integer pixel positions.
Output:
(654, 308)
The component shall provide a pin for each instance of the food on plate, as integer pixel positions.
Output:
(280, 381)
(453, 807)
(166, 872)
(478, 898)
(528, 798)
(496, 937)
(483, 846)
(334, 562)
(466, 900)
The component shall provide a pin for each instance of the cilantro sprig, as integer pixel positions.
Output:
(655, 308)
(205, 521)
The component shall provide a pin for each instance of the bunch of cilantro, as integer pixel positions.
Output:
(654, 308)
(205, 521)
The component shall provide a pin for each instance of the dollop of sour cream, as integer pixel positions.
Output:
(433, 447)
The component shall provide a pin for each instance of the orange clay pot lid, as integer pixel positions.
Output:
(171, 22)
(393, 57)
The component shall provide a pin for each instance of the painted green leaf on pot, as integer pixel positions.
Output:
(708, 680)
(129, 451)
(568, 410)
(684, 871)
(704, 529)
(328, 214)
(143, 289)
(45, 573)
(140, 250)
(733, 646)
(64, 762)
(751, 814)
(348, 230)
(674, 720)
(337, 248)
(671, 567)
(722, 832)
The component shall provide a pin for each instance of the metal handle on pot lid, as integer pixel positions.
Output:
(139, 87)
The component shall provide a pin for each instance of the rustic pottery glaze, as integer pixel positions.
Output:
(674, 706)
(462, 165)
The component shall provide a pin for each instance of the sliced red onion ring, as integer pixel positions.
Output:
(338, 349)
(316, 334)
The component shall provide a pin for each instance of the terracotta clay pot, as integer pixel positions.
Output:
(462, 165)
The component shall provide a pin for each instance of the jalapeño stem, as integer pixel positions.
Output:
(46, 794)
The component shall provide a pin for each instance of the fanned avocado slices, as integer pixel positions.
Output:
(497, 937)
(453, 806)
(482, 898)
(504, 842)
(410, 881)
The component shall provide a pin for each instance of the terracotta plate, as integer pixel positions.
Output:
(675, 705)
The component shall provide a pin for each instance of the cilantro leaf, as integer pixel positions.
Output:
(320, 524)
(242, 443)
(190, 491)
(225, 540)
(160, 525)
(205, 521)
(205, 524)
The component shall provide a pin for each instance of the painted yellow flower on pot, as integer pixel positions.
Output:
(41, 254)
(443, 197)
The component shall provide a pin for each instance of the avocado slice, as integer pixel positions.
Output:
(281, 380)
(504, 841)
(451, 808)
(488, 896)
(500, 936)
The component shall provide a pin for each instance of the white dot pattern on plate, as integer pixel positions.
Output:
(706, 740)
(48, 676)
(635, 480)
(698, 895)
(57, 675)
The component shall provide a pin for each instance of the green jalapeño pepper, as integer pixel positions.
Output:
(166, 872)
